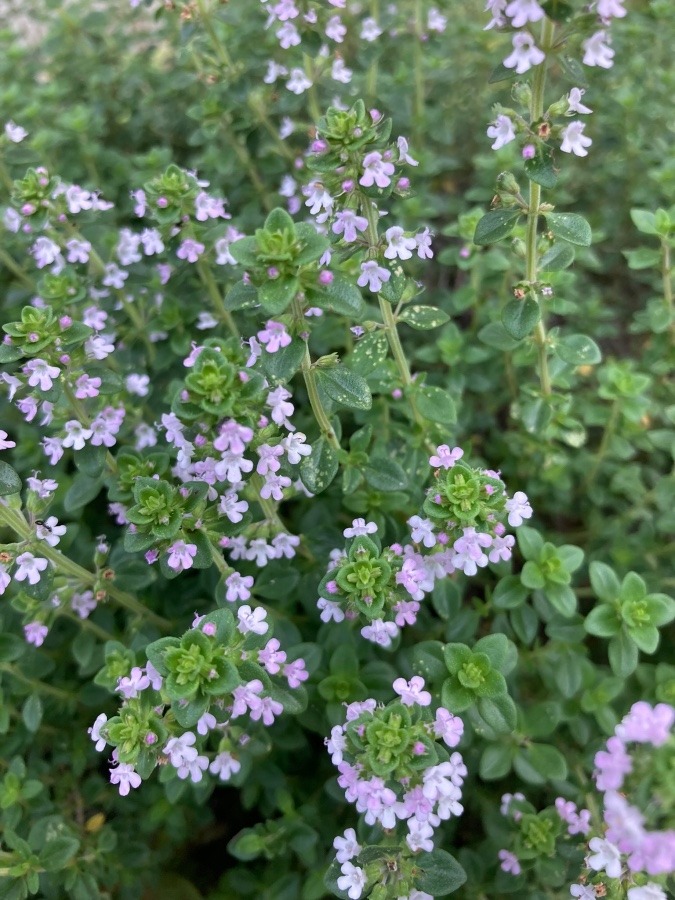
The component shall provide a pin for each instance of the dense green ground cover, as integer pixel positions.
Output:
(540, 336)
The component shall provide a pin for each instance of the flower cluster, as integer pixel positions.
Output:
(393, 768)
(634, 774)
(463, 531)
(336, 28)
(216, 673)
(520, 15)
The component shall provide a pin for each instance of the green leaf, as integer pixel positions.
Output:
(532, 577)
(31, 712)
(498, 712)
(424, 317)
(277, 293)
(557, 257)
(9, 353)
(509, 593)
(633, 588)
(440, 873)
(385, 474)
(495, 225)
(370, 352)
(91, 460)
(623, 655)
(660, 609)
(643, 258)
(436, 405)
(541, 170)
(393, 290)
(604, 581)
(574, 70)
(644, 221)
(495, 335)
(603, 621)
(562, 598)
(57, 853)
(499, 650)
(570, 227)
(318, 470)
(530, 542)
(241, 296)
(519, 317)
(578, 350)
(282, 365)
(10, 483)
(11, 647)
(571, 556)
(81, 492)
(495, 762)
(341, 297)
(345, 387)
(279, 220)
(645, 637)
(539, 763)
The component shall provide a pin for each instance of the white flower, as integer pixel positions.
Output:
(252, 620)
(574, 139)
(347, 847)
(574, 104)
(525, 54)
(398, 245)
(29, 567)
(501, 130)
(518, 508)
(95, 732)
(360, 527)
(649, 891)
(605, 856)
(597, 51)
(298, 82)
(523, 11)
(353, 880)
(15, 133)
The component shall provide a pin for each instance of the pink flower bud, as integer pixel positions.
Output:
(272, 272)
(162, 202)
(65, 321)
(325, 277)
(27, 209)
(209, 629)
(397, 393)
(403, 184)
(348, 185)
(150, 738)
(64, 359)
(375, 115)
(529, 151)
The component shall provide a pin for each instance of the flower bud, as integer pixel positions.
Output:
(507, 184)
(522, 93)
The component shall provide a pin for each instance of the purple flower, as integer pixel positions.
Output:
(181, 555)
(347, 223)
(29, 568)
(190, 250)
(35, 632)
(509, 862)
(412, 692)
(360, 527)
(518, 508)
(445, 457)
(376, 171)
(252, 620)
(126, 777)
(448, 727)
(373, 275)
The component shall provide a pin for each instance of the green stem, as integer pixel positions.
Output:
(269, 507)
(220, 49)
(536, 112)
(666, 271)
(88, 625)
(418, 108)
(371, 77)
(320, 414)
(5, 177)
(389, 319)
(41, 686)
(604, 441)
(209, 282)
(16, 269)
(314, 109)
(14, 519)
(244, 158)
